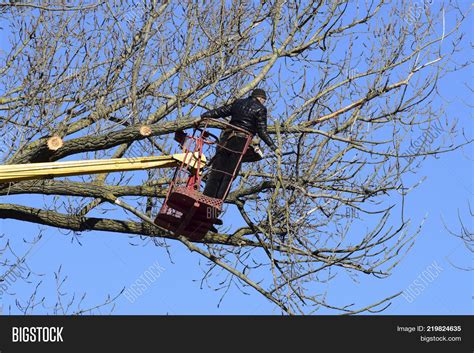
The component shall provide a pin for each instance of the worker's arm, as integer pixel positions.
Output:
(262, 128)
(217, 113)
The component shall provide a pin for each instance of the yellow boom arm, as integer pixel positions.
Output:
(19, 172)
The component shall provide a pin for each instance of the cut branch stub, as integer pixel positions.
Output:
(55, 143)
(145, 130)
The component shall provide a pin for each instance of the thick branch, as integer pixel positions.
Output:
(81, 224)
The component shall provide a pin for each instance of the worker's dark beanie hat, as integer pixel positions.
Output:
(257, 92)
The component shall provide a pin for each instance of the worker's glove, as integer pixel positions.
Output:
(276, 153)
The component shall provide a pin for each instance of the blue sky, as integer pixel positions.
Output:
(104, 263)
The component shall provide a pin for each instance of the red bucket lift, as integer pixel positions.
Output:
(186, 211)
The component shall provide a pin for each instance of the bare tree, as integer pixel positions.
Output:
(353, 91)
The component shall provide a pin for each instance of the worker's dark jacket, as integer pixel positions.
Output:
(248, 114)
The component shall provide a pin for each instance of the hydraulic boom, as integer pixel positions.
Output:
(19, 172)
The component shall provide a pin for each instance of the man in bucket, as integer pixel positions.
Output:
(249, 114)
